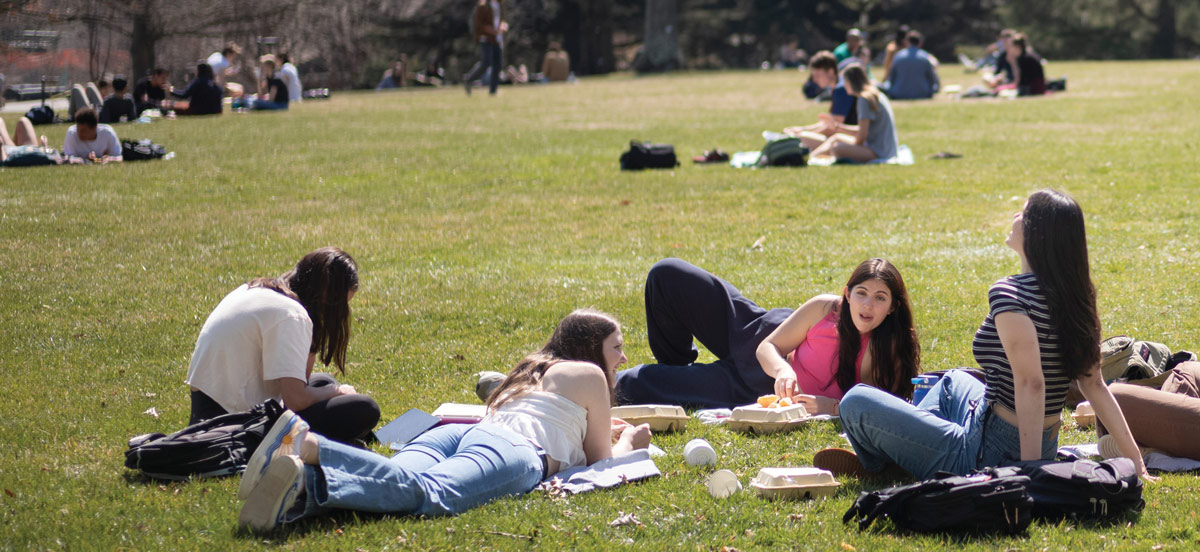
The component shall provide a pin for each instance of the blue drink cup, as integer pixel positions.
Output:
(921, 387)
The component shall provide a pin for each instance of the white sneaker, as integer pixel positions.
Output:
(274, 495)
(283, 439)
(1109, 450)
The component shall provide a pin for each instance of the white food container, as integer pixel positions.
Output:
(660, 417)
(760, 419)
(1084, 414)
(794, 483)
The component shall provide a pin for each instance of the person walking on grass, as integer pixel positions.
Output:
(875, 135)
(551, 413)
(812, 354)
(262, 340)
(1041, 332)
(490, 27)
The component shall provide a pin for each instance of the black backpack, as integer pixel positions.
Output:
(784, 152)
(644, 155)
(40, 115)
(141, 150)
(989, 500)
(212, 448)
(1083, 489)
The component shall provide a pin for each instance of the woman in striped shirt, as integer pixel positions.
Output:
(1041, 332)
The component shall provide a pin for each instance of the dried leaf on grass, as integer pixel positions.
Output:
(624, 519)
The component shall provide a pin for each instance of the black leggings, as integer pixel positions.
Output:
(685, 304)
(344, 418)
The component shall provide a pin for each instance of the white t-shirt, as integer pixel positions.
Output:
(218, 63)
(291, 77)
(254, 337)
(106, 143)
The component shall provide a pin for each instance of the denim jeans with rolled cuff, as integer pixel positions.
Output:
(951, 429)
(445, 471)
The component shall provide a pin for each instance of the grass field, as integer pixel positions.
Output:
(479, 222)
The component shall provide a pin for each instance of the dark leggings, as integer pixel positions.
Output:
(684, 304)
(344, 418)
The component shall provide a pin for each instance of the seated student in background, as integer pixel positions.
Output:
(90, 140)
(396, 76)
(843, 110)
(151, 90)
(812, 354)
(1028, 72)
(849, 47)
(1002, 73)
(1165, 419)
(914, 72)
(291, 77)
(118, 107)
(556, 64)
(262, 340)
(272, 91)
(899, 42)
(431, 76)
(222, 64)
(551, 413)
(203, 95)
(875, 137)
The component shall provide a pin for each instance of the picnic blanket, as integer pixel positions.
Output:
(749, 159)
(633, 466)
(1154, 460)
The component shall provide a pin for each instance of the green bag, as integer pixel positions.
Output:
(784, 152)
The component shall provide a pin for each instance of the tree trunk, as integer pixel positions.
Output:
(142, 42)
(660, 52)
(596, 39)
(1163, 43)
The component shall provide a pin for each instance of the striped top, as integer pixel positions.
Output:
(1023, 295)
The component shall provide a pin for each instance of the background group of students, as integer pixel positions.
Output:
(94, 106)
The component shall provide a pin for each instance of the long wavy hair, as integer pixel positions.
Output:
(857, 82)
(322, 282)
(895, 350)
(580, 336)
(1056, 248)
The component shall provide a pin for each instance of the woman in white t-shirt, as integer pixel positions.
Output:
(262, 341)
(551, 413)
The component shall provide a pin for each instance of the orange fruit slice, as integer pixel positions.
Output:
(766, 401)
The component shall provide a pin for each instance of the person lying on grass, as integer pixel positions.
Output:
(875, 136)
(812, 354)
(551, 413)
(263, 338)
(90, 140)
(1166, 419)
(1041, 332)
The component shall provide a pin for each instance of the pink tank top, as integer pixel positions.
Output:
(815, 360)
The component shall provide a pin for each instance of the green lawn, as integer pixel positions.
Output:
(479, 222)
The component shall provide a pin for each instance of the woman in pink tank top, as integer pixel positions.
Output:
(816, 352)
(832, 342)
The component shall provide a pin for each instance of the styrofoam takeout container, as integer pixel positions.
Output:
(660, 417)
(1084, 414)
(794, 483)
(761, 419)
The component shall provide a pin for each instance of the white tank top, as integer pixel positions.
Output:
(551, 421)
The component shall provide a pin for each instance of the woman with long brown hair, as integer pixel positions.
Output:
(262, 340)
(814, 353)
(875, 135)
(551, 413)
(1041, 332)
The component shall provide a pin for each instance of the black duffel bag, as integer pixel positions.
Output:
(212, 448)
(645, 155)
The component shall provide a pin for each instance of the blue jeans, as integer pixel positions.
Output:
(266, 105)
(445, 471)
(489, 56)
(950, 430)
